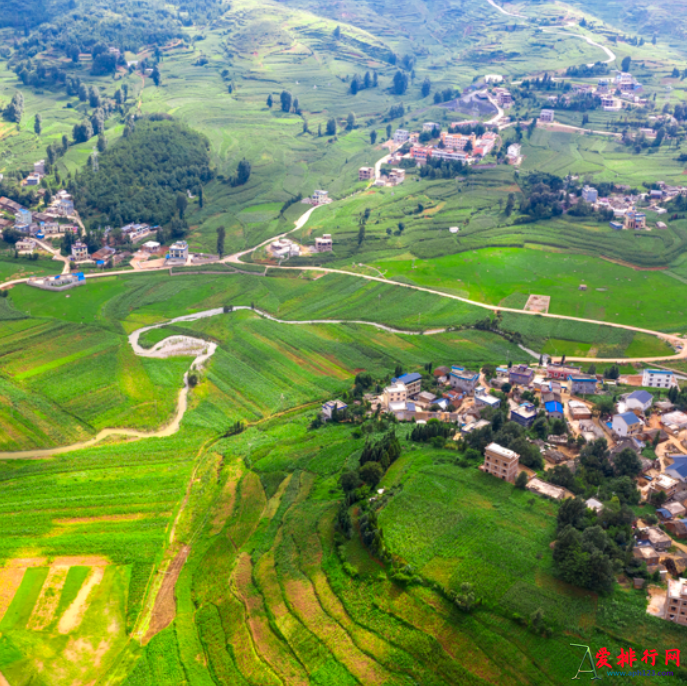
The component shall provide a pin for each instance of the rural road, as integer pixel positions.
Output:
(610, 54)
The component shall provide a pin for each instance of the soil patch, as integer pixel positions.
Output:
(49, 598)
(73, 615)
(165, 602)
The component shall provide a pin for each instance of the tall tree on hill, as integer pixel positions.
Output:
(200, 197)
(373, 137)
(156, 75)
(125, 91)
(400, 84)
(220, 240)
(319, 130)
(626, 63)
(286, 100)
(337, 33)
(65, 143)
(374, 79)
(269, 100)
(38, 124)
(296, 106)
(102, 143)
(182, 203)
(388, 130)
(367, 80)
(426, 87)
(94, 96)
(331, 126)
(350, 121)
(354, 85)
(14, 111)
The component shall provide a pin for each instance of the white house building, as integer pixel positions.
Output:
(547, 116)
(626, 424)
(639, 400)
(658, 378)
(401, 136)
(178, 251)
(79, 251)
(590, 194)
(330, 406)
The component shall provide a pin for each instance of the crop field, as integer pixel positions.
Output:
(614, 292)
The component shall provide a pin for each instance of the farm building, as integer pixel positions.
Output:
(547, 116)
(324, 244)
(582, 384)
(524, 414)
(366, 173)
(665, 483)
(320, 197)
(554, 409)
(579, 410)
(678, 470)
(487, 400)
(646, 553)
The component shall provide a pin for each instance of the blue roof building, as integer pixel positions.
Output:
(678, 470)
(412, 382)
(554, 409)
(640, 400)
(487, 401)
(463, 379)
(626, 424)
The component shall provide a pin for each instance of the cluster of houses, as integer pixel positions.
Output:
(452, 145)
(624, 207)
(283, 248)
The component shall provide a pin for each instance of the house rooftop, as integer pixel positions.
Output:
(503, 452)
(408, 378)
(640, 396)
(629, 418)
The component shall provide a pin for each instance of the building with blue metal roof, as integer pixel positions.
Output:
(524, 415)
(463, 379)
(554, 409)
(626, 424)
(678, 470)
(639, 400)
(412, 382)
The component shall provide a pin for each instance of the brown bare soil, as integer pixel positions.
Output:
(107, 518)
(165, 602)
(10, 580)
(227, 499)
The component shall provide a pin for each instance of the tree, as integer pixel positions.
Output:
(350, 121)
(94, 96)
(286, 99)
(354, 86)
(102, 143)
(627, 463)
(14, 111)
(269, 100)
(626, 63)
(510, 204)
(337, 33)
(182, 203)
(388, 130)
(220, 241)
(371, 473)
(521, 481)
(361, 234)
(604, 405)
(319, 130)
(349, 481)
(571, 513)
(296, 106)
(38, 124)
(156, 75)
(373, 137)
(400, 83)
(65, 143)
(331, 127)
(426, 87)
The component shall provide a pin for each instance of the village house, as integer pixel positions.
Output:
(646, 553)
(676, 601)
(677, 470)
(554, 409)
(521, 374)
(441, 374)
(79, 251)
(151, 246)
(463, 379)
(412, 383)
(329, 407)
(397, 176)
(634, 220)
(658, 378)
(396, 393)
(582, 384)
(560, 371)
(514, 153)
(579, 410)
(178, 251)
(9, 206)
(602, 86)
(594, 504)
(501, 462)
(674, 422)
(503, 97)
(657, 538)
(430, 126)
(639, 400)
(610, 104)
(456, 141)
(484, 399)
(324, 244)
(452, 155)
(23, 219)
(366, 173)
(524, 414)
(545, 489)
(626, 424)
(590, 194)
(102, 256)
(284, 247)
(320, 197)
(136, 232)
(547, 116)
(401, 136)
(665, 483)
(25, 246)
(421, 153)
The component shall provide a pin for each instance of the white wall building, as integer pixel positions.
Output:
(401, 136)
(178, 251)
(658, 378)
